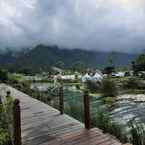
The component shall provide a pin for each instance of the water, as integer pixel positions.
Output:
(73, 100)
(125, 109)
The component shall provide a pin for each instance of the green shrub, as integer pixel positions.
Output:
(77, 86)
(109, 100)
(109, 88)
(137, 133)
(92, 87)
(4, 135)
(3, 75)
(131, 83)
(104, 122)
(134, 83)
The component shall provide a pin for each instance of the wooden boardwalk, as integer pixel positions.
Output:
(43, 125)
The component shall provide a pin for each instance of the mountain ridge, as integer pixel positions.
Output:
(42, 57)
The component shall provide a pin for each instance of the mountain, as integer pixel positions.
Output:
(43, 57)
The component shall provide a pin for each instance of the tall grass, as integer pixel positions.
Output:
(4, 135)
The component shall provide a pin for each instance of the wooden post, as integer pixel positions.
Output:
(0, 100)
(17, 122)
(61, 103)
(87, 110)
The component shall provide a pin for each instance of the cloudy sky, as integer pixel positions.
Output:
(89, 24)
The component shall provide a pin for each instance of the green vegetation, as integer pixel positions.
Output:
(109, 100)
(78, 66)
(137, 131)
(102, 120)
(134, 83)
(75, 109)
(93, 87)
(109, 88)
(140, 59)
(4, 135)
(3, 75)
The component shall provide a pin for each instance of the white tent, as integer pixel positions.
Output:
(97, 77)
(86, 78)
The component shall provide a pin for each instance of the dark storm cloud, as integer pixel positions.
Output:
(90, 24)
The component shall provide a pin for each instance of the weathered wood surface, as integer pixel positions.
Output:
(43, 125)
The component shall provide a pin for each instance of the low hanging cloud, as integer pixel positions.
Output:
(104, 25)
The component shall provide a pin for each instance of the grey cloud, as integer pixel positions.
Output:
(88, 24)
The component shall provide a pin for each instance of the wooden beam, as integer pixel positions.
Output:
(87, 110)
(61, 100)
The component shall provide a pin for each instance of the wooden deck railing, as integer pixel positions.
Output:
(16, 117)
(86, 103)
(17, 122)
(87, 117)
(61, 100)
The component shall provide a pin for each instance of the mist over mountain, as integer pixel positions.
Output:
(43, 57)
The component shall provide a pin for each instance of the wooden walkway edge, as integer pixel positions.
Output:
(43, 125)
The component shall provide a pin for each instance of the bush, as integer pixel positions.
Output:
(137, 132)
(78, 86)
(4, 135)
(134, 83)
(108, 88)
(103, 121)
(109, 100)
(3, 75)
(92, 86)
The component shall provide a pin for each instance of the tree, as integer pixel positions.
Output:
(110, 61)
(109, 88)
(141, 59)
(111, 58)
(3, 75)
(78, 66)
